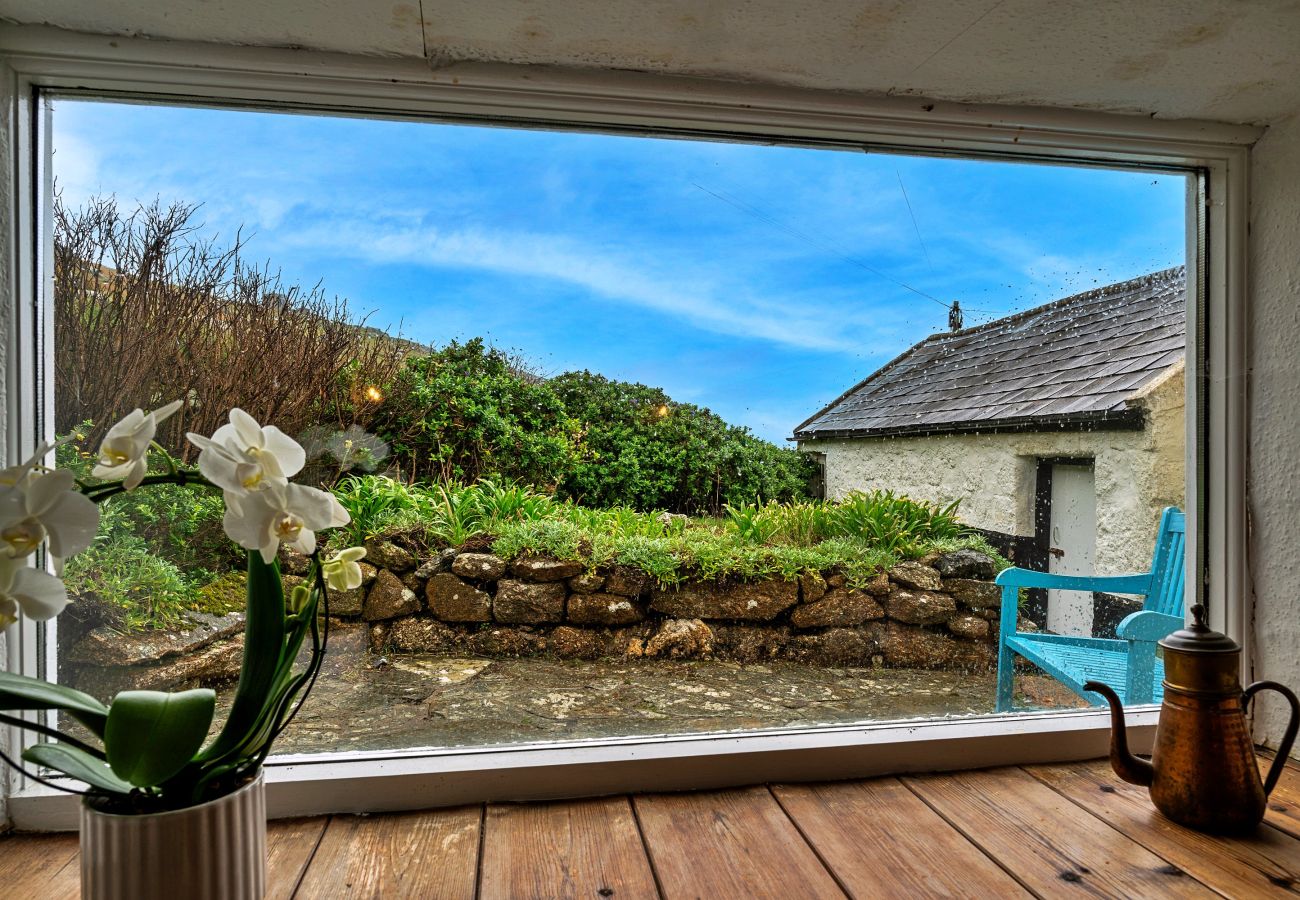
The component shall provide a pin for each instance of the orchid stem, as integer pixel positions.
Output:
(181, 477)
(51, 732)
(38, 779)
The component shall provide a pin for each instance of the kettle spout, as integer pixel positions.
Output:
(1127, 766)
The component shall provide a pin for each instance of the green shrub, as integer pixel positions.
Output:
(468, 412)
(465, 411)
(639, 448)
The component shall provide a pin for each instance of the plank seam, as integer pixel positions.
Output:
(907, 783)
(482, 842)
(74, 860)
(811, 846)
(645, 845)
(311, 858)
(1134, 838)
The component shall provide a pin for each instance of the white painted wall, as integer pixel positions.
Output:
(1138, 473)
(1275, 412)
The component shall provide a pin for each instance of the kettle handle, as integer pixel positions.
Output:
(1288, 738)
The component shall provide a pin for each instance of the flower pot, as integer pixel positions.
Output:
(216, 850)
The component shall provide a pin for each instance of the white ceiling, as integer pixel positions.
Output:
(1230, 60)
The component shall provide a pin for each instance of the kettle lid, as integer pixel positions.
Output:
(1199, 637)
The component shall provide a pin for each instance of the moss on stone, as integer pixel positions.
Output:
(225, 594)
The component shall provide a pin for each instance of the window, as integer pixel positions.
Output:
(1203, 167)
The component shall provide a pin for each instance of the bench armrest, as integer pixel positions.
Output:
(1111, 584)
(1147, 625)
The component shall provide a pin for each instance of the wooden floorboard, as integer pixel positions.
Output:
(39, 866)
(1050, 831)
(880, 840)
(736, 843)
(290, 846)
(1047, 842)
(398, 855)
(588, 848)
(1267, 861)
(1284, 804)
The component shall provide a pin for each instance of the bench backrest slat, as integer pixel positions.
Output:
(1168, 574)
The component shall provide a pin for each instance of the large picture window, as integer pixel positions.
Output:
(649, 437)
(565, 384)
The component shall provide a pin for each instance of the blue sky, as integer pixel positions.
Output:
(758, 281)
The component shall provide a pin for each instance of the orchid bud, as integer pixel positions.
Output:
(298, 598)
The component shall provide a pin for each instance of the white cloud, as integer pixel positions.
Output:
(706, 297)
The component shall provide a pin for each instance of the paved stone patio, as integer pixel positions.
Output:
(364, 702)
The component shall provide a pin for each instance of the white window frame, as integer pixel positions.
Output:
(39, 61)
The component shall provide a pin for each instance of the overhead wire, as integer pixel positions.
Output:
(915, 226)
(741, 205)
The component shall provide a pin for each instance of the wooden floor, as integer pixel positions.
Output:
(1049, 831)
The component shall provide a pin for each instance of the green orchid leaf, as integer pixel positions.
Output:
(264, 637)
(78, 764)
(151, 735)
(21, 692)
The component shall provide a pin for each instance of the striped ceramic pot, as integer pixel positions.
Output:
(216, 851)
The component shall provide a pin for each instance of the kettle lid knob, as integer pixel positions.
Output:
(1199, 637)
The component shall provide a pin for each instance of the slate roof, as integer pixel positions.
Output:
(1072, 363)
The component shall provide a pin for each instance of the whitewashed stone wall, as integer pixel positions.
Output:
(1275, 416)
(1138, 473)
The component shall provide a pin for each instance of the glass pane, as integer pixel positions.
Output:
(641, 436)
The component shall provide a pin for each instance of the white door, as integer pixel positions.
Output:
(1074, 544)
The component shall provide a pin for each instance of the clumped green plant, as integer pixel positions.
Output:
(450, 513)
(881, 519)
(133, 586)
(466, 412)
(858, 536)
(378, 503)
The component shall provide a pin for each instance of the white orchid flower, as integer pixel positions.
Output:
(41, 505)
(343, 570)
(20, 476)
(124, 452)
(38, 594)
(281, 513)
(243, 457)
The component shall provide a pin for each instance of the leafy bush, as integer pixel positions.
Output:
(466, 411)
(639, 448)
(469, 411)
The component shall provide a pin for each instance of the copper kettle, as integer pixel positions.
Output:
(1202, 772)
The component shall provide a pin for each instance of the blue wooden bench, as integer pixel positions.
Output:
(1128, 664)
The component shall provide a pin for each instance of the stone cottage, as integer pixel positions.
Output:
(1060, 429)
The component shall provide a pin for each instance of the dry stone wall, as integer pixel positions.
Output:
(940, 612)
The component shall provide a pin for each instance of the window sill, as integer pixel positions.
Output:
(318, 784)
